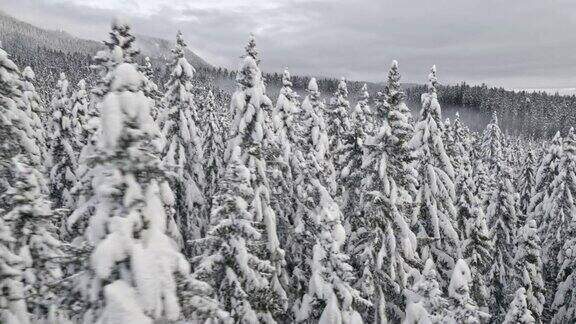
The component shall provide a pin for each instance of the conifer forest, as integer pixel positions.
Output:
(138, 188)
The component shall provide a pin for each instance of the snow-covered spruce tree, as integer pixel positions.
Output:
(518, 311)
(481, 180)
(492, 143)
(151, 88)
(529, 268)
(382, 244)
(36, 114)
(478, 247)
(82, 124)
(362, 113)
(33, 226)
(463, 308)
(63, 148)
(13, 308)
(231, 262)
(330, 297)
(526, 183)
(118, 48)
(133, 265)
(340, 134)
(501, 214)
(427, 293)
(400, 154)
(547, 171)
(434, 211)
(564, 300)
(557, 212)
(213, 145)
(252, 131)
(183, 152)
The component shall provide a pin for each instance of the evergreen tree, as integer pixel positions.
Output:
(401, 155)
(341, 134)
(13, 308)
(133, 263)
(214, 145)
(231, 261)
(564, 301)
(435, 212)
(82, 116)
(501, 214)
(33, 227)
(151, 89)
(462, 307)
(426, 291)
(252, 131)
(36, 114)
(362, 114)
(492, 143)
(529, 269)
(478, 247)
(525, 184)
(547, 171)
(183, 151)
(62, 148)
(382, 243)
(518, 312)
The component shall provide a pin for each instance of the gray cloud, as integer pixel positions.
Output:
(514, 43)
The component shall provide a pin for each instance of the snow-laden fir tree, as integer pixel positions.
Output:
(435, 212)
(547, 171)
(315, 164)
(529, 268)
(63, 148)
(557, 212)
(482, 181)
(82, 117)
(518, 311)
(340, 132)
(330, 297)
(400, 154)
(231, 262)
(427, 293)
(382, 244)
(134, 261)
(361, 115)
(13, 308)
(525, 183)
(213, 144)
(478, 247)
(462, 308)
(492, 139)
(151, 88)
(501, 214)
(33, 226)
(564, 301)
(252, 131)
(183, 151)
(36, 114)
(118, 48)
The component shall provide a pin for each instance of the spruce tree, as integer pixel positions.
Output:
(36, 114)
(492, 139)
(529, 269)
(518, 312)
(563, 303)
(525, 183)
(183, 152)
(252, 131)
(361, 115)
(382, 244)
(502, 220)
(434, 211)
(401, 155)
(36, 239)
(231, 262)
(134, 261)
(63, 148)
(426, 292)
(462, 307)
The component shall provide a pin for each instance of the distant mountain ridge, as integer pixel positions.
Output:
(14, 31)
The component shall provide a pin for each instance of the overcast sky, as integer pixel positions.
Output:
(510, 43)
